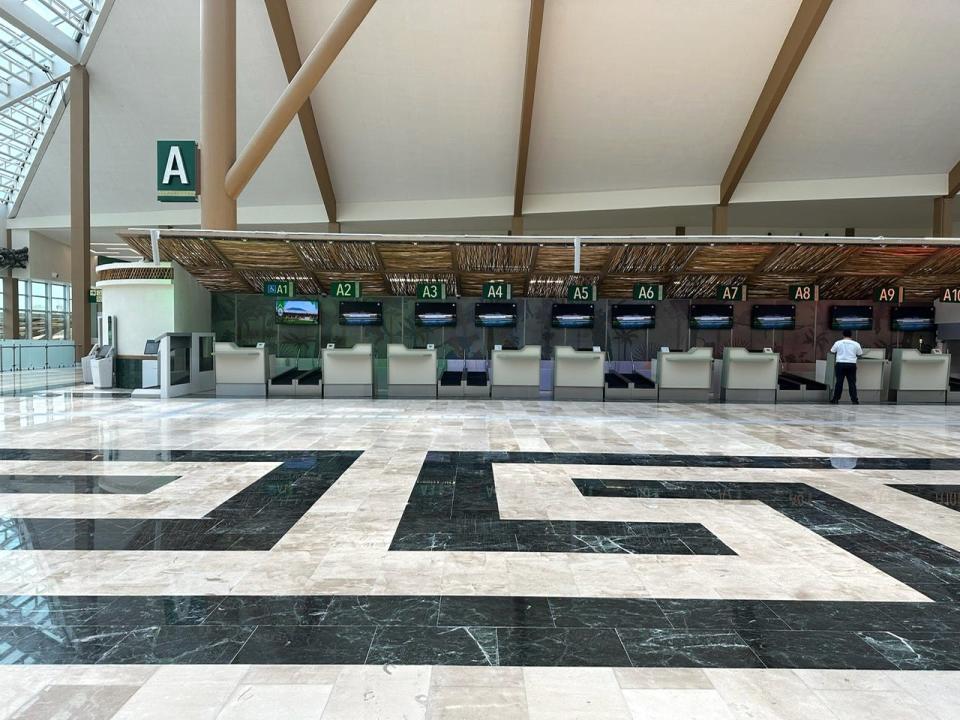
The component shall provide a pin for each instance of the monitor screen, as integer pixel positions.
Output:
(711, 317)
(361, 313)
(432, 314)
(773, 317)
(495, 315)
(298, 312)
(916, 318)
(851, 317)
(572, 315)
(152, 347)
(633, 317)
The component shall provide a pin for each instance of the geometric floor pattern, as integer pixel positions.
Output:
(349, 559)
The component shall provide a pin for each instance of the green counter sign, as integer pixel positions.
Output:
(805, 293)
(950, 295)
(278, 288)
(888, 294)
(345, 289)
(431, 291)
(177, 171)
(497, 290)
(95, 295)
(650, 292)
(582, 293)
(732, 293)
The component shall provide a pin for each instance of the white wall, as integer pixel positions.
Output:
(143, 311)
(46, 257)
(191, 303)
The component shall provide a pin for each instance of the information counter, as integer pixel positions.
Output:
(749, 377)
(515, 374)
(348, 372)
(685, 376)
(919, 378)
(873, 371)
(412, 373)
(577, 374)
(240, 371)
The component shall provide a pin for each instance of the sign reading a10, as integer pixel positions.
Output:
(431, 291)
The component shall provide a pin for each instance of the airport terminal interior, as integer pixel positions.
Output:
(448, 359)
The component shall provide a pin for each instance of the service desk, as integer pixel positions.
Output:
(919, 378)
(348, 372)
(515, 374)
(240, 371)
(412, 373)
(685, 376)
(749, 376)
(577, 374)
(873, 371)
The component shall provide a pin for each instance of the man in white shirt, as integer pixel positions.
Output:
(847, 351)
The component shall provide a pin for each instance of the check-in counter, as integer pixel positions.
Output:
(685, 376)
(515, 374)
(240, 371)
(749, 377)
(577, 374)
(412, 373)
(873, 373)
(919, 378)
(348, 372)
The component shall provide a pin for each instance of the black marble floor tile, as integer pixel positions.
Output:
(917, 650)
(823, 615)
(434, 646)
(413, 610)
(607, 613)
(84, 484)
(946, 495)
(495, 611)
(721, 615)
(820, 649)
(276, 645)
(179, 644)
(52, 610)
(687, 648)
(576, 647)
(269, 610)
(58, 645)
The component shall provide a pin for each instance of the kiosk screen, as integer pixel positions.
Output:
(430, 314)
(495, 315)
(361, 313)
(633, 317)
(711, 317)
(298, 312)
(918, 318)
(573, 315)
(773, 317)
(851, 317)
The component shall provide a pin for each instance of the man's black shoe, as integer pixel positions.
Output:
(834, 402)
(855, 402)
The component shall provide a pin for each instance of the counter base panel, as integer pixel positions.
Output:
(594, 394)
(314, 390)
(280, 390)
(515, 392)
(916, 397)
(241, 389)
(482, 391)
(450, 391)
(953, 397)
(411, 391)
(684, 395)
(629, 394)
(743, 395)
(346, 390)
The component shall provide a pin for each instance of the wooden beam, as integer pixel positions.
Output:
(80, 208)
(953, 181)
(526, 107)
(719, 220)
(801, 34)
(283, 32)
(942, 217)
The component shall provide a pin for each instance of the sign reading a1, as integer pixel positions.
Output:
(177, 171)
(497, 291)
(349, 289)
(805, 293)
(888, 294)
(732, 293)
(647, 291)
(950, 295)
(582, 293)
(278, 288)
(431, 291)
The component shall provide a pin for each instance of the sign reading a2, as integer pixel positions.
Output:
(345, 289)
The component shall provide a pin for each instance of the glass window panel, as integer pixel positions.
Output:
(58, 291)
(38, 288)
(58, 326)
(38, 302)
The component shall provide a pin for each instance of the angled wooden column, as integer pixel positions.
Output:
(719, 220)
(942, 217)
(11, 298)
(218, 112)
(534, 31)
(283, 32)
(80, 207)
(953, 181)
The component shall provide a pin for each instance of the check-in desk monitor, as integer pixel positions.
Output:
(749, 376)
(515, 374)
(685, 376)
(241, 371)
(348, 372)
(577, 374)
(917, 377)
(412, 372)
(873, 373)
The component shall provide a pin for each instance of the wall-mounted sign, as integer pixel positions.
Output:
(95, 295)
(582, 293)
(431, 291)
(950, 295)
(732, 293)
(278, 288)
(345, 289)
(177, 171)
(805, 293)
(650, 292)
(888, 294)
(497, 290)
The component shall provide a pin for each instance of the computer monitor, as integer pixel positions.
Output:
(571, 315)
(495, 315)
(363, 313)
(435, 314)
(633, 316)
(773, 317)
(912, 318)
(298, 312)
(711, 317)
(851, 317)
(152, 347)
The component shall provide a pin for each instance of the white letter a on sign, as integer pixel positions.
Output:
(175, 167)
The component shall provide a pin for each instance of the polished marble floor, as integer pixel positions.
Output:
(354, 559)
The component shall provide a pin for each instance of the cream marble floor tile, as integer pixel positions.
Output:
(677, 705)
(375, 692)
(573, 694)
(291, 702)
